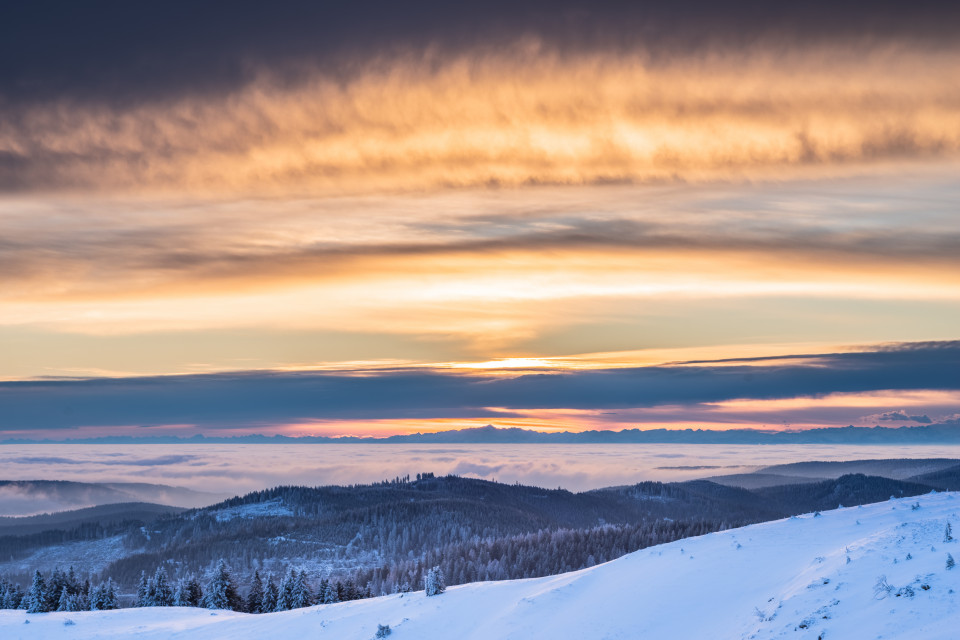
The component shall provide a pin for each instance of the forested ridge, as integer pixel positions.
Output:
(385, 537)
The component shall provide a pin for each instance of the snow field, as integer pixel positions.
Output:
(785, 579)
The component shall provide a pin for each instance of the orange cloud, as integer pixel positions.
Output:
(517, 117)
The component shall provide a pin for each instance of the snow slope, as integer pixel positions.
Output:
(784, 579)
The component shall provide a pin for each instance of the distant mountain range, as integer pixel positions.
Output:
(942, 433)
(33, 497)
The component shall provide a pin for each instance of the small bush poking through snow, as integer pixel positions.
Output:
(383, 630)
(950, 562)
(905, 592)
(882, 588)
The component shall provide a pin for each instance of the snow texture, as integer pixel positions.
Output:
(272, 508)
(845, 574)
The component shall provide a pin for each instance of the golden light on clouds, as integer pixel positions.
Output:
(519, 117)
(520, 218)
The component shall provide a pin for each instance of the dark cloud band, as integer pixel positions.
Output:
(264, 398)
(112, 50)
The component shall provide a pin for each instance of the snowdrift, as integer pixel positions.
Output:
(865, 572)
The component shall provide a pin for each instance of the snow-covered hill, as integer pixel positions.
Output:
(870, 572)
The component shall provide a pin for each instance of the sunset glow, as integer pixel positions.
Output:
(508, 210)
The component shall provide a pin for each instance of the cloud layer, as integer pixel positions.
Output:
(389, 188)
(521, 117)
(268, 399)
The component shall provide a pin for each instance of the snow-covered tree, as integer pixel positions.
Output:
(103, 597)
(255, 596)
(180, 595)
(284, 595)
(325, 593)
(64, 601)
(159, 592)
(55, 586)
(142, 591)
(220, 592)
(12, 597)
(36, 598)
(434, 582)
(194, 593)
(300, 595)
(270, 596)
(948, 533)
(950, 562)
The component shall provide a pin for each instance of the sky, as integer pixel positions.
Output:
(380, 217)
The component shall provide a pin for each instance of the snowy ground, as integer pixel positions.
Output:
(271, 508)
(784, 579)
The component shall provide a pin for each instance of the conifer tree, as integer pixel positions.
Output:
(16, 598)
(161, 595)
(300, 595)
(65, 602)
(285, 594)
(434, 582)
(220, 592)
(270, 596)
(36, 599)
(180, 595)
(255, 597)
(97, 598)
(194, 593)
(55, 585)
(142, 591)
(109, 600)
(325, 594)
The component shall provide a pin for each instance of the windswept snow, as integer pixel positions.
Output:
(871, 572)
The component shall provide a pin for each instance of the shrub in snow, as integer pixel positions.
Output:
(383, 630)
(948, 533)
(905, 592)
(434, 582)
(950, 562)
(882, 588)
